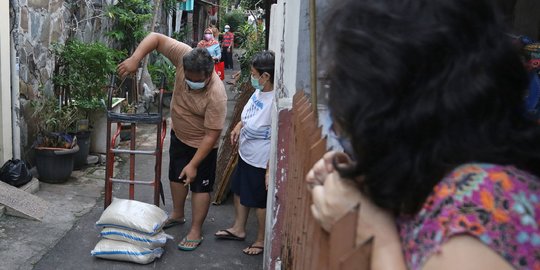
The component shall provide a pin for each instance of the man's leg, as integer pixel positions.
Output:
(240, 220)
(224, 57)
(230, 56)
(179, 193)
(200, 202)
(179, 156)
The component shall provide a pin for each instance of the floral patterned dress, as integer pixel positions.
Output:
(498, 205)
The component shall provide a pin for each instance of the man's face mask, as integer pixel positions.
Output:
(195, 85)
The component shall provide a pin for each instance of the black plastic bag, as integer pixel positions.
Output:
(15, 172)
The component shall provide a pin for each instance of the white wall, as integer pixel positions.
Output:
(283, 40)
(5, 84)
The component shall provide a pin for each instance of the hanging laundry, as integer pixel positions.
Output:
(187, 5)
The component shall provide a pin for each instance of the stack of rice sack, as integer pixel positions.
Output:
(131, 231)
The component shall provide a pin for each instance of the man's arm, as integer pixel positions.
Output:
(207, 144)
(153, 41)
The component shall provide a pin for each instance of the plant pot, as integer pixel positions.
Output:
(55, 165)
(99, 128)
(83, 141)
(125, 132)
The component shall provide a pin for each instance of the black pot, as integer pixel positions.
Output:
(55, 165)
(83, 141)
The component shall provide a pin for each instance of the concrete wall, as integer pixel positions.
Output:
(5, 85)
(37, 24)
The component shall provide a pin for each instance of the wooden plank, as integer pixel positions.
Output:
(305, 244)
(223, 187)
(359, 258)
(343, 237)
(324, 251)
(225, 166)
(298, 95)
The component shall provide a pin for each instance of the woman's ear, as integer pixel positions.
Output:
(266, 76)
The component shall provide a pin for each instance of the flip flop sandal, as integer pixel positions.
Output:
(189, 248)
(228, 236)
(173, 222)
(260, 250)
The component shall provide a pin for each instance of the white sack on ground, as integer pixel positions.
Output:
(133, 215)
(124, 251)
(140, 239)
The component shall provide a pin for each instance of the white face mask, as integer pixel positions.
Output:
(226, 29)
(195, 85)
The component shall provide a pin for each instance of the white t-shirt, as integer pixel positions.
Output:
(256, 118)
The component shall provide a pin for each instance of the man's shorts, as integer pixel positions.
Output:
(180, 155)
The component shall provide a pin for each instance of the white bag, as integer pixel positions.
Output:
(133, 215)
(139, 239)
(124, 251)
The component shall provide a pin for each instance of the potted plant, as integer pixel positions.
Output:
(81, 75)
(54, 147)
(162, 68)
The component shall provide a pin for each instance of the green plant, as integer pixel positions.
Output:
(129, 18)
(223, 11)
(253, 42)
(183, 34)
(82, 73)
(169, 6)
(251, 4)
(53, 122)
(162, 66)
(234, 19)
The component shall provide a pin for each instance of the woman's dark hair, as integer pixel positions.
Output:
(264, 62)
(199, 60)
(421, 87)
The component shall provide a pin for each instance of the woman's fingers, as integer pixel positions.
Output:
(334, 199)
(318, 173)
(319, 209)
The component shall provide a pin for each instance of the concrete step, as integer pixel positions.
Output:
(30, 187)
(21, 202)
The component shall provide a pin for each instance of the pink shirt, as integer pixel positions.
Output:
(498, 205)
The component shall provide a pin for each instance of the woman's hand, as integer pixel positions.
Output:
(127, 67)
(334, 197)
(235, 133)
(325, 166)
